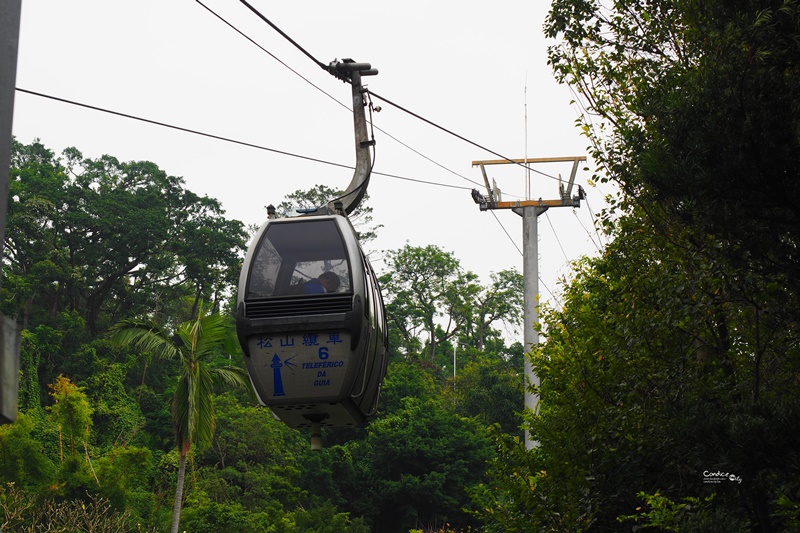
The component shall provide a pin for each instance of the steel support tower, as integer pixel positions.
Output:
(529, 210)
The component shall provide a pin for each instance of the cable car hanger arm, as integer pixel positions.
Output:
(348, 70)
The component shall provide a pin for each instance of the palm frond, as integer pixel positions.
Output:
(145, 336)
(205, 335)
(231, 344)
(234, 377)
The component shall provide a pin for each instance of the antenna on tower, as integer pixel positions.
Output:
(527, 168)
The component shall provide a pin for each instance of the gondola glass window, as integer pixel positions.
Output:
(292, 256)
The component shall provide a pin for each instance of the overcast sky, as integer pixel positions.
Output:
(468, 66)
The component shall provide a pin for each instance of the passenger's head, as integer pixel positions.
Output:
(330, 281)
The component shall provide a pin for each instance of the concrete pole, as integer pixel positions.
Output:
(9, 39)
(530, 273)
(9, 333)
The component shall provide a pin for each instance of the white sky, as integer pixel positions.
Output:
(464, 65)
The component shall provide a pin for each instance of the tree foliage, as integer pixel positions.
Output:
(108, 265)
(22, 456)
(674, 356)
(490, 388)
(501, 301)
(415, 466)
(320, 196)
(662, 366)
(107, 239)
(194, 343)
(431, 295)
(695, 105)
(426, 284)
(71, 412)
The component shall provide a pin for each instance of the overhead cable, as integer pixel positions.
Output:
(556, 235)
(227, 139)
(456, 135)
(428, 158)
(285, 36)
(398, 106)
(273, 56)
(276, 58)
(179, 128)
(595, 223)
(551, 292)
(506, 232)
(591, 238)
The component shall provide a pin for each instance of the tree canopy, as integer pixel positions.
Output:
(694, 105)
(107, 239)
(668, 388)
(120, 279)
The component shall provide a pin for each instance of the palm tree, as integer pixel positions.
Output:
(193, 418)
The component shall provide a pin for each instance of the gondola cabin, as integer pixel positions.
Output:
(311, 322)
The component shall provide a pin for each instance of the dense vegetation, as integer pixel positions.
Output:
(669, 379)
(123, 280)
(670, 376)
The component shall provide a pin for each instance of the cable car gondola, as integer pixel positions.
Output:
(312, 355)
(310, 315)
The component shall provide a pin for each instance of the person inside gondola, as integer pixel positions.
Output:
(326, 282)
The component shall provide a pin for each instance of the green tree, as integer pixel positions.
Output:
(490, 389)
(415, 465)
(22, 457)
(109, 239)
(30, 357)
(71, 412)
(661, 365)
(428, 292)
(253, 458)
(193, 345)
(697, 106)
(682, 338)
(319, 196)
(116, 416)
(404, 379)
(500, 301)
(123, 474)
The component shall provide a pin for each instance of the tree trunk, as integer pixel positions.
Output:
(176, 510)
(196, 303)
(432, 339)
(481, 337)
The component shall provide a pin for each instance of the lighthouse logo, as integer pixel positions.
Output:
(277, 380)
